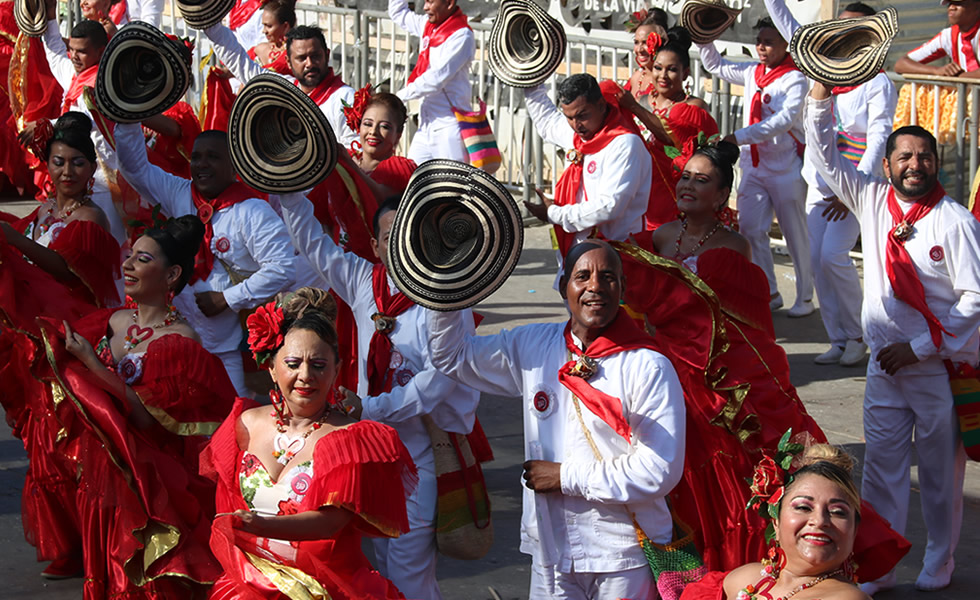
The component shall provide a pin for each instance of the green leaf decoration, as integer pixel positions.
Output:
(671, 152)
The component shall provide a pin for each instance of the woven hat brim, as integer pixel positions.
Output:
(706, 21)
(845, 51)
(31, 17)
(203, 14)
(456, 237)
(280, 141)
(526, 44)
(142, 73)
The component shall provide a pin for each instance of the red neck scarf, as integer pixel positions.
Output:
(433, 35)
(330, 84)
(566, 190)
(762, 79)
(901, 272)
(843, 89)
(621, 335)
(117, 12)
(233, 194)
(379, 371)
(242, 12)
(78, 84)
(963, 42)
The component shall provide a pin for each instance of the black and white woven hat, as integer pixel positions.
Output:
(142, 73)
(526, 44)
(456, 237)
(845, 51)
(201, 14)
(280, 141)
(707, 20)
(31, 17)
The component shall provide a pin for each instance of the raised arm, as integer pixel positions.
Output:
(460, 48)
(154, 184)
(232, 54)
(821, 142)
(57, 53)
(882, 100)
(404, 17)
(782, 18)
(732, 72)
(148, 11)
(550, 124)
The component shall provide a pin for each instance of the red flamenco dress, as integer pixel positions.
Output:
(711, 316)
(363, 468)
(143, 510)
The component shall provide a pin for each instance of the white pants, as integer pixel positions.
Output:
(761, 194)
(409, 560)
(834, 273)
(632, 584)
(438, 140)
(236, 371)
(898, 409)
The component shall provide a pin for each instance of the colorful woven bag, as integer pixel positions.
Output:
(676, 564)
(481, 145)
(964, 381)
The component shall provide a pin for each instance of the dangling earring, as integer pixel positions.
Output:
(88, 191)
(170, 299)
(278, 403)
(774, 563)
(850, 569)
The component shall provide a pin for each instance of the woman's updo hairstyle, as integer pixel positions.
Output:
(284, 10)
(312, 309)
(394, 104)
(73, 129)
(723, 155)
(678, 42)
(180, 240)
(829, 462)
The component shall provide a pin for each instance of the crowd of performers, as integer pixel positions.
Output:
(153, 473)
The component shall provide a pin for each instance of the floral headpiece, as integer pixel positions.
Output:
(770, 479)
(265, 334)
(692, 145)
(635, 19)
(355, 113)
(183, 42)
(654, 43)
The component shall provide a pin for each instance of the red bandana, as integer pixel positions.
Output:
(963, 42)
(901, 270)
(379, 371)
(762, 79)
(242, 12)
(330, 84)
(621, 335)
(78, 84)
(233, 194)
(566, 190)
(433, 35)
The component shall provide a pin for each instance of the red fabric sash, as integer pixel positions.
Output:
(78, 84)
(567, 187)
(762, 79)
(963, 42)
(117, 12)
(621, 335)
(901, 271)
(330, 84)
(233, 194)
(433, 35)
(379, 372)
(242, 12)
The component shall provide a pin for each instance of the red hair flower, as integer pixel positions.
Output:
(767, 481)
(355, 113)
(635, 19)
(654, 43)
(265, 332)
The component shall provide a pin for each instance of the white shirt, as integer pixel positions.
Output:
(615, 188)
(942, 45)
(235, 57)
(590, 521)
(945, 249)
(451, 405)
(249, 236)
(781, 127)
(446, 83)
(148, 11)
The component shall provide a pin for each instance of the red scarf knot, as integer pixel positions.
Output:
(763, 79)
(330, 84)
(434, 35)
(383, 323)
(379, 372)
(233, 194)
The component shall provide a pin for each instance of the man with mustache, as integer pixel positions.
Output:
(605, 188)
(921, 316)
(604, 429)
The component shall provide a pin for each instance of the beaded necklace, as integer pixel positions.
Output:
(750, 592)
(284, 447)
(51, 218)
(136, 334)
(680, 237)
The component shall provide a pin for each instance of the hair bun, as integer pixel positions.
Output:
(295, 304)
(728, 152)
(74, 120)
(188, 231)
(827, 453)
(679, 37)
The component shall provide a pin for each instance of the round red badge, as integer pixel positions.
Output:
(541, 401)
(205, 212)
(592, 167)
(396, 360)
(936, 253)
(404, 376)
(222, 245)
(766, 98)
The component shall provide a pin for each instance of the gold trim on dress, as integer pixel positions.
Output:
(292, 582)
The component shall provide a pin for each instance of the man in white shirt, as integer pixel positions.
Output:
(441, 77)
(863, 116)
(400, 395)
(603, 434)
(772, 144)
(921, 308)
(605, 188)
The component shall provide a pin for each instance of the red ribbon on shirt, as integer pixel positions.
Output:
(901, 271)
(379, 371)
(233, 194)
(78, 84)
(330, 84)
(762, 79)
(242, 12)
(963, 42)
(433, 35)
(621, 335)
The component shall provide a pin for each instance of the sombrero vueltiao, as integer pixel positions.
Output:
(201, 14)
(526, 44)
(142, 73)
(279, 140)
(456, 237)
(845, 51)
(707, 20)
(31, 17)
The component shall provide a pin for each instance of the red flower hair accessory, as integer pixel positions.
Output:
(185, 43)
(354, 113)
(692, 145)
(265, 332)
(769, 481)
(654, 43)
(635, 19)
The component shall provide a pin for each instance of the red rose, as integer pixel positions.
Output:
(288, 507)
(265, 330)
(654, 43)
(767, 479)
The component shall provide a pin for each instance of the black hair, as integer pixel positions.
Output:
(392, 103)
(390, 204)
(304, 32)
(314, 310)
(576, 86)
(859, 7)
(655, 16)
(581, 248)
(913, 130)
(723, 156)
(765, 23)
(73, 129)
(180, 240)
(284, 10)
(91, 30)
(678, 42)
(213, 134)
